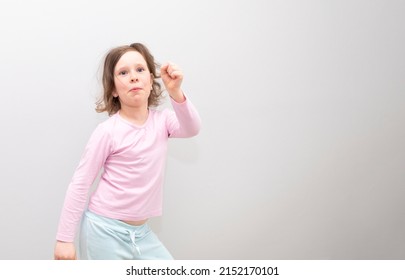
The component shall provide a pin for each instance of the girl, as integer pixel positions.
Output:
(130, 149)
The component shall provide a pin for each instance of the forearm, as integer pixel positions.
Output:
(72, 211)
(178, 96)
(187, 117)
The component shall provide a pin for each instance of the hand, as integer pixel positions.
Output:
(172, 78)
(65, 251)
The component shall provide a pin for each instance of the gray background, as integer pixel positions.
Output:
(301, 154)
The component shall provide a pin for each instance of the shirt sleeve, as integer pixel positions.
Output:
(184, 121)
(95, 154)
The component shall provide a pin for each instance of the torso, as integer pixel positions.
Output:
(136, 223)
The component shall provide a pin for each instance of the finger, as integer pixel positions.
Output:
(164, 67)
(176, 74)
(163, 71)
(169, 66)
(172, 67)
(174, 71)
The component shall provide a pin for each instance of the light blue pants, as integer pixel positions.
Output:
(103, 238)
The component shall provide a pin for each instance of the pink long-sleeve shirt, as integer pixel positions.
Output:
(133, 161)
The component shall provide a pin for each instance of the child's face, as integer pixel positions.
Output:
(132, 80)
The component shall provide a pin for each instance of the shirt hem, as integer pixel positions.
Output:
(126, 217)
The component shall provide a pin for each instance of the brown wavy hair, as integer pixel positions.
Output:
(110, 104)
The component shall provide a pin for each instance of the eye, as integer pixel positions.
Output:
(140, 69)
(123, 73)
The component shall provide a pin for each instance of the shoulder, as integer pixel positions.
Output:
(110, 122)
(106, 127)
(161, 114)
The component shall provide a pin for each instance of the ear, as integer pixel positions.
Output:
(152, 80)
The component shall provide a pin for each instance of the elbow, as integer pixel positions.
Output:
(192, 131)
(195, 132)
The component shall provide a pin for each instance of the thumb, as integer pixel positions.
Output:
(163, 69)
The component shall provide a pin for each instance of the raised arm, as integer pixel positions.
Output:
(185, 122)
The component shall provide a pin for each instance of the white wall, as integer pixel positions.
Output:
(302, 152)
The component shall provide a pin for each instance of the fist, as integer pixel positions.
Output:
(64, 251)
(172, 77)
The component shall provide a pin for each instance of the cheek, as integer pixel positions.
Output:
(148, 80)
(118, 85)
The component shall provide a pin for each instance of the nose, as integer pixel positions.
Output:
(133, 77)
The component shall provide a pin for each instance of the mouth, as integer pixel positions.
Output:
(135, 89)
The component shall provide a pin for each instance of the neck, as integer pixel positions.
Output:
(136, 115)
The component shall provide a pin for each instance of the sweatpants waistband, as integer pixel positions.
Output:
(117, 225)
